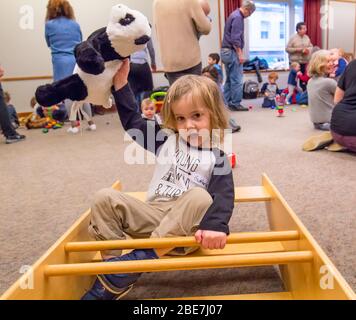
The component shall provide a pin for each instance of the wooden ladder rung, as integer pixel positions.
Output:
(156, 243)
(254, 296)
(251, 194)
(183, 263)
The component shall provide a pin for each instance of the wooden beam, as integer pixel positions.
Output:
(177, 242)
(175, 264)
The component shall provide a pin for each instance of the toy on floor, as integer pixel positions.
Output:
(98, 60)
(233, 160)
(280, 103)
(157, 96)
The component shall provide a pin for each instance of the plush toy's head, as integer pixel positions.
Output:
(128, 30)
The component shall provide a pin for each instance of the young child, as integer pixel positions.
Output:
(148, 110)
(213, 60)
(293, 80)
(192, 190)
(85, 113)
(12, 111)
(340, 63)
(270, 91)
(34, 121)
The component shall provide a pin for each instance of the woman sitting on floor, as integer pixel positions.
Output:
(343, 120)
(321, 89)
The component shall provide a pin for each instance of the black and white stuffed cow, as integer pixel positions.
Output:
(98, 60)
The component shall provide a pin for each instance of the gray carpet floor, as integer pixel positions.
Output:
(48, 181)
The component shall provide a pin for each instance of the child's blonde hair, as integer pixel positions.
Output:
(7, 97)
(202, 90)
(318, 63)
(146, 103)
(273, 76)
(294, 65)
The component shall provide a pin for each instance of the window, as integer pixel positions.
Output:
(282, 30)
(269, 29)
(265, 27)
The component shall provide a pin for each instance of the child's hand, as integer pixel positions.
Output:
(211, 239)
(120, 79)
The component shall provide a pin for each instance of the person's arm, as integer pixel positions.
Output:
(151, 51)
(341, 67)
(309, 47)
(47, 36)
(221, 189)
(201, 21)
(264, 88)
(339, 95)
(291, 48)
(142, 131)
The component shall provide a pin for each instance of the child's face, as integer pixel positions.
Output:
(272, 80)
(211, 61)
(297, 68)
(192, 121)
(149, 110)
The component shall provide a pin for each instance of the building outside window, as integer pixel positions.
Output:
(270, 28)
(265, 29)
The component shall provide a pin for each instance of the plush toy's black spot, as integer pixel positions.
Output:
(142, 40)
(127, 20)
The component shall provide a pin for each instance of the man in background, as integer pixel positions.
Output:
(178, 25)
(232, 54)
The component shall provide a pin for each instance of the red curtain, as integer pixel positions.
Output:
(230, 6)
(312, 18)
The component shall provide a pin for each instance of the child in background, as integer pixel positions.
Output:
(149, 111)
(34, 121)
(270, 91)
(192, 190)
(213, 60)
(340, 63)
(293, 80)
(12, 111)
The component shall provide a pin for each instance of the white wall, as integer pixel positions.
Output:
(24, 53)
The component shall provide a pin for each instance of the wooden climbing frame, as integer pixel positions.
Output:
(69, 267)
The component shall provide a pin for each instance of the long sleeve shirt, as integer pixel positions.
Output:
(180, 167)
(295, 43)
(62, 35)
(177, 24)
(141, 57)
(234, 31)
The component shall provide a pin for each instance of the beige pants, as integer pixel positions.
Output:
(115, 215)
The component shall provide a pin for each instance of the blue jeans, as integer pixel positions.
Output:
(234, 77)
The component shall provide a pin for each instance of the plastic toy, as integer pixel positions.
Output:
(158, 97)
(281, 101)
(232, 159)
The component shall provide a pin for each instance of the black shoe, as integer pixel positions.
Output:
(234, 126)
(14, 139)
(237, 108)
